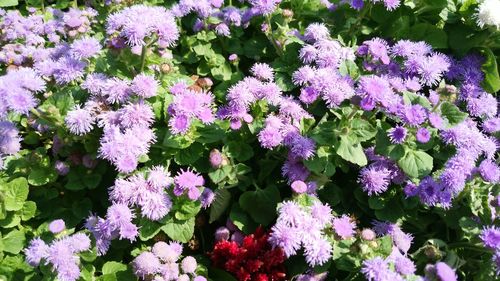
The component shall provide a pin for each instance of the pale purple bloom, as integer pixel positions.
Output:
(222, 233)
(144, 86)
(36, 251)
(368, 234)
(85, 48)
(423, 135)
(57, 226)
(188, 264)
(374, 179)
(79, 121)
(146, 264)
(262, 71)
(491, 237)
(344, 227)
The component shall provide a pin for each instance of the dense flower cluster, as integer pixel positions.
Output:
(298, 227)
(251, 260)
(163, 263)
(490, 236)
(61, 254)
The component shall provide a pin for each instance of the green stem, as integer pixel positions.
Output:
(230, 2)
(43, 6)
(202, 239)
(271, 37)
(143, 57)
(75, 4)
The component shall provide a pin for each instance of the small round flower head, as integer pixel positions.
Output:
(207, 197)
(183, 277)
(164, 252)
(404, 265)
(170, 271)
(187, 179)
(491, 237)
(188, 264)
(368, 234)
(79, 121)
(317, 251)
(62, 168)
(216, 159)
(283, 236)
(489, 171)
(158, 177)
(79, 242)
(444, 272)
(233, 57)
(262, 71)
(423, 135)
(200, 278)
(144, 86)
(145, 264)
(344, 227)
(85, 48)
(57, 226)
(315, 32)
(222, 234)
(322, 213)
(36, 251)
(398, 134)
(487, 14)
(375, 269)
(299, 186)
(374, 179)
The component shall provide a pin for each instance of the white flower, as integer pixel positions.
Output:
(488, 13)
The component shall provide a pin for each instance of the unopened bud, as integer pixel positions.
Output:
(165, 68)
(368, 234)
(287, 13)
(205, 82)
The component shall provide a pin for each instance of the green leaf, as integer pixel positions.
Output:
(14, 241)
(429, 33)
(452, 113)
(221, 203)
(28, 211)
(416, 164)
(491, 82)
(352, 152)
(188, 210)
(363, 129)
(217, 175)
(112, 267)
(41, 176)
(410, 98)
(189, 155)
(148, 229)
(219, 274)
(241, 219)
(8, 3)
(210, 134)
(261, 204)
(181, 231)
(15, 194)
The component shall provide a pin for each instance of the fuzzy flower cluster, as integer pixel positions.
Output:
(253, 259)
(147, 193)
(117, 224)
(61, 254)
(471, 144)
(379, 269)
(390, 5)
(140, 25)
(490, 236)
(10, 141)
(320, 76)
(163, 263)
(18, 89)
(304, 227)
(189, 106)
(212, 15)
(378, 175)
(280, 127)
(126, 131)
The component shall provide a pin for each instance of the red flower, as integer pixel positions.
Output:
(254, 260)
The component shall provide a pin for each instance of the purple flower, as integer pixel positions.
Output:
(57, 226)
(441, 271)
(375, 269)
(322, 213)
(207, 197)
(189, 264)
(190, 181)
(491, 237)
(374, 179)
(344, 227)
(262, 71)
(414, 115)
(222, 233)
(315, 32)
(423, 135)
(79, 121)
(397, 134)
(317, 251)
(144, 86)
(299, 186)
(36, 251)
(146, 264)
(168, 253)
(85, 48)
(368, 234)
